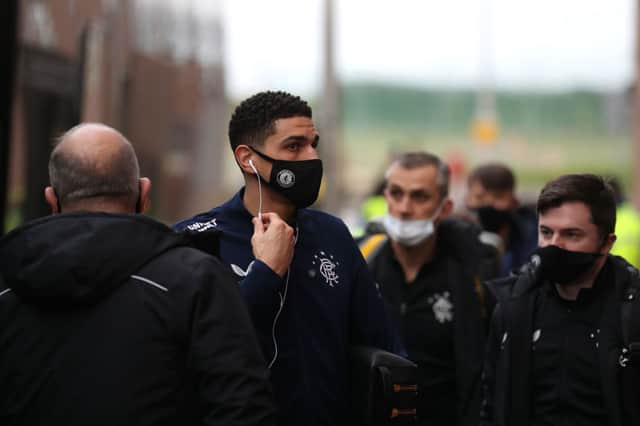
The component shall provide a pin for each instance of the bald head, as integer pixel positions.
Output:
(93, 163)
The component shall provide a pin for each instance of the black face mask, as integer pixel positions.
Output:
(298, 181)
(563, 266)
(492, 219)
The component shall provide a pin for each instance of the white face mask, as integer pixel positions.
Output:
(410, 232)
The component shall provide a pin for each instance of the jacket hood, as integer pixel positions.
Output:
(76, 259)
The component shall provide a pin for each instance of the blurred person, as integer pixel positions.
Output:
(110, 318)
(563, 343)
(372, 211)
(429, 269)
(627, 227)
(374, 206)
(306, 284)
(512, 228)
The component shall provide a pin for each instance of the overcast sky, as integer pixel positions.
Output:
(542, 44)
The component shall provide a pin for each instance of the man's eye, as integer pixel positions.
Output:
(420, 197)
(396, 194)
(293, 147)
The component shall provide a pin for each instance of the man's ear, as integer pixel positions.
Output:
(447, 209)
(608, 243)
(145, 192)
(52, 199)
(243, 154)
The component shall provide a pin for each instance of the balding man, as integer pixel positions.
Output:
(109, 318)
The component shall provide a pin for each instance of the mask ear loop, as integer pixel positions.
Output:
(259, 189)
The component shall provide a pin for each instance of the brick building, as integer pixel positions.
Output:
(135, 65)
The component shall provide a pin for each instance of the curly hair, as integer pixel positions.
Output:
(253, 120)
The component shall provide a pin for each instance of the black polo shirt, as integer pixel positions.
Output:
(424, 313)
(566, 382)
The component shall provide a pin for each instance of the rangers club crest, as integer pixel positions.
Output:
(326, 267)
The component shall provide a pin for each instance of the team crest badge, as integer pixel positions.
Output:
(286, 178)
(326, 267)
(442, 307)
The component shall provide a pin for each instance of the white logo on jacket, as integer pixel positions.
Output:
(442, 307)
(202, 226)
(327, 267)
(242, 272)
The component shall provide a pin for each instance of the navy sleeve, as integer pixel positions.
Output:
(260, 289)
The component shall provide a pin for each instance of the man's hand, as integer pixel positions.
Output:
(273, 242)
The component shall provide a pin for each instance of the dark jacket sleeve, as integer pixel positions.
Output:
(370, 323)
(223, 353)
(261, 289)
(494, 341)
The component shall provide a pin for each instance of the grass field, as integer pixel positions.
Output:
(535, 160)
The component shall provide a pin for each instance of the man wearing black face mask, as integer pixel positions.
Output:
(563, 343)
(510, 227)
(307, 286)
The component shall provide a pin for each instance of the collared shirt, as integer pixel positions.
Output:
(566, 381)
(424, 313)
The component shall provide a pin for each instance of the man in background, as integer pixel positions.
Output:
(627, 227)
(510, 227)
(429, 269)
(563, 344)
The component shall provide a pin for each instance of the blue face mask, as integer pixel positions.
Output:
(298, 181)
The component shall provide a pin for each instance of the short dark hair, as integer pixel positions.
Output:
(76, 177)
(413, 160)
(253, 120)
(592, 190)
(493, 177)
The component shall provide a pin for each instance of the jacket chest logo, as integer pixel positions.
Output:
(203, 226)
(326, 265)
(442, 306)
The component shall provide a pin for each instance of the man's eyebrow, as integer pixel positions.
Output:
(561, 229)
(419, 191)
(299, 138)
(395, 186)
(572, 230)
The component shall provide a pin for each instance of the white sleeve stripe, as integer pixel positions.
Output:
(5, 291)
(148, 281)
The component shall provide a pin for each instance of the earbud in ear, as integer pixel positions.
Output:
(253, 166)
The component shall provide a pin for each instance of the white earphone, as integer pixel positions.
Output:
(259, 188)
